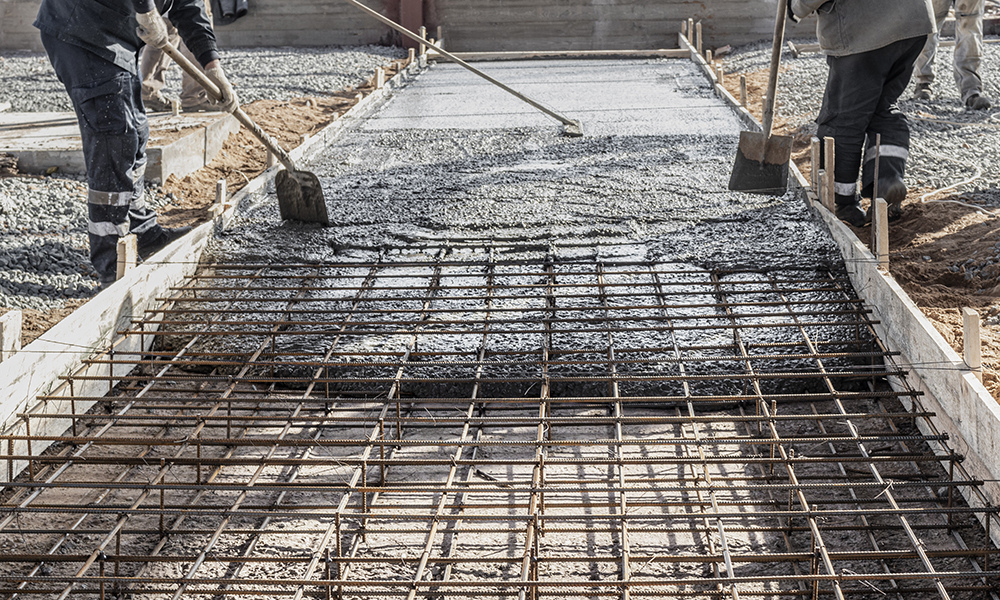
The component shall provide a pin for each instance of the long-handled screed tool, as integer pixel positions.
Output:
(300, 195)
(762, 159)
(571, 128)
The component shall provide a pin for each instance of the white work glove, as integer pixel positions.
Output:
(152, 29)
(229, 101)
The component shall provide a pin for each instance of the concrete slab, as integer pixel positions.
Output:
(177, 145)
(641, 97)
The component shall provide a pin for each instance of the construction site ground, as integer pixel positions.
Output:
(519, 365)
(945, 253)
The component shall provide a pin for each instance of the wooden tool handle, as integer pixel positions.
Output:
(772, 80)
(216, 94)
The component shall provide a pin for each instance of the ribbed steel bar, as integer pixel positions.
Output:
(446, 422)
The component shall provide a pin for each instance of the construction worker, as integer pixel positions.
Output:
(870, 48)
(968, 53)
(94, 48)
(153, 64)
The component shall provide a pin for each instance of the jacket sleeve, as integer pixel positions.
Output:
(195, 27)
(800, 9)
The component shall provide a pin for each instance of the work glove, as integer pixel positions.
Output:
(152, 29)
(229, 101)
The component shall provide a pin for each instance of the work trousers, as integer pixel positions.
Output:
(859, 104)
(114, 131)
(968, 46)
(154, 63)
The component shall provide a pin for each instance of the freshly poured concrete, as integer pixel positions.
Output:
(178, 145)
(451, 158)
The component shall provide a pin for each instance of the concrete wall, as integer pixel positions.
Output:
(472, 25)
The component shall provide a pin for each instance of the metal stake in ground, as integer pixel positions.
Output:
(570, 127)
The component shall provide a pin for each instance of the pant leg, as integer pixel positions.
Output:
(888, 121)
(855, 93)
(968, 46)
(154, 62)
(923, 69)
(114, 131)
(191, 91)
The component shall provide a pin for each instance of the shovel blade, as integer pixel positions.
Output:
(761, 164)
(300, 197)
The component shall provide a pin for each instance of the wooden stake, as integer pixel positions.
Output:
(721, 74)
(880, 230)
(271, 159)
(684, 28)
(972, 342)
(821, 181)
(690, 35)
(175, 106)
(128, 254)
(411, 56)
(423, 34)
(697, 37)
(814, 164)
(10, 333)
(708, 59)
(220, 192)
(379, 78)
(743, 91)
(440, 34)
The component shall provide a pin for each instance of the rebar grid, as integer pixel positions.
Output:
(452, 422)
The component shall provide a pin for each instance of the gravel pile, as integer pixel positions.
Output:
(43, 226)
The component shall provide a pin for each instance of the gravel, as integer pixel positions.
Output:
(43, 226)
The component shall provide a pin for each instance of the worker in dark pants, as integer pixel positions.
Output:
(870, 48)
(94, 49)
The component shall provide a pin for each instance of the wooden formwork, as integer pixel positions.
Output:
(964, 408)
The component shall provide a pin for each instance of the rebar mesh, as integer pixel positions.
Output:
(455, 422)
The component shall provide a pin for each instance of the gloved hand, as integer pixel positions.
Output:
(152, 29)
(229, 101)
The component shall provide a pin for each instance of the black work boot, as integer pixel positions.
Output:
(161, 240)
(851, 212)
(893, 191)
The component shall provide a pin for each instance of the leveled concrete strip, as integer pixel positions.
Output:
(91, 331)
(964, 407)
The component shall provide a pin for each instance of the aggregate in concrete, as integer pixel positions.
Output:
(451, 158)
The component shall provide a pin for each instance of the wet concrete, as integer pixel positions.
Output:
(452, 158)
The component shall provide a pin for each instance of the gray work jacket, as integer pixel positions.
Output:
(107, 27)
(856, 26)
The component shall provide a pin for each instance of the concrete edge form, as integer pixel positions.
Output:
(964, 408)
(76, 344)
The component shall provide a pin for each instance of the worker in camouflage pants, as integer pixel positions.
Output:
(968, 53)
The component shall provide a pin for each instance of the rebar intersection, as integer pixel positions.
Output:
(477, 421)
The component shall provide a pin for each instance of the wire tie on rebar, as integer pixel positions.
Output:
(887, 488)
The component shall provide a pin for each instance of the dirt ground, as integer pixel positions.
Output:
(923, 246)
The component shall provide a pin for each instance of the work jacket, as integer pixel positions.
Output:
(107, 27)
(856, 26)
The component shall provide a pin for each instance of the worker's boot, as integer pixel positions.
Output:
(893, 191)
(849, 210)
(978, 102)
(160, 240)
(156, 102)
(922, 92)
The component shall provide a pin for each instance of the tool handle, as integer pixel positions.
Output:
(216, 94)
(772, 80)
